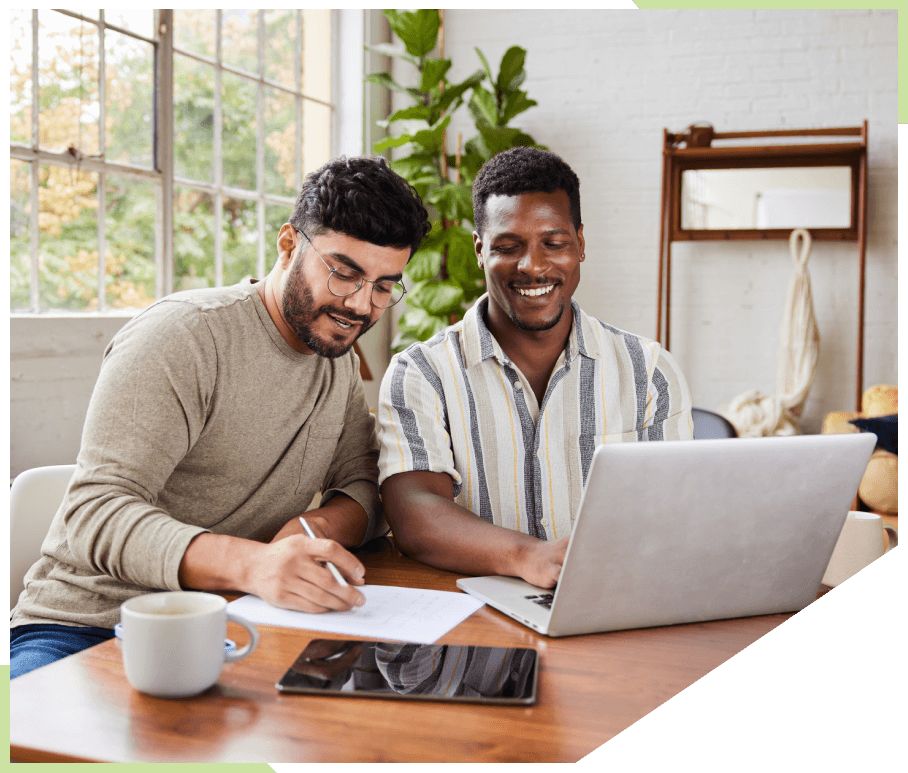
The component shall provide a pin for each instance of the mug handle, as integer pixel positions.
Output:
(231, 657)
(893, 537)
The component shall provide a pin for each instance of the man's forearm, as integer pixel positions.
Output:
(341, 519)
(432, 528)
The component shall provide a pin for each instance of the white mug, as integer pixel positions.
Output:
(860, 543)
(173, 642)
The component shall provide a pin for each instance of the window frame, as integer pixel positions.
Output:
(162, 173)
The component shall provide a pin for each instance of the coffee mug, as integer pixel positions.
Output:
(860, 543)
(173, 642)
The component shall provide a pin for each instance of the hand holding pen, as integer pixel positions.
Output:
(331, 567)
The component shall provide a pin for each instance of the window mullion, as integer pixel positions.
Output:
(102, 176)
(218, 155)
(260, 146)
(164, 147)
(33, 170)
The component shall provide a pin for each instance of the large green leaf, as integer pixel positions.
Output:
(412, 113)
(451, 97)
(393, 142)
(424, 265)
(417, 29)
(511, 74)
(485, 64)
(514, 104)
(383, 79)
(431, 138)
(432, 73)
(452, 200)
(438, 298)
(483, 108)
(392, 49)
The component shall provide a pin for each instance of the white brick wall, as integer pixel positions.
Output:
(608, 82)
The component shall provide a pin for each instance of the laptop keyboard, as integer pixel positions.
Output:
(543, 599)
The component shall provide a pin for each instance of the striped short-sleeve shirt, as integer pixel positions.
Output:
(457, 404)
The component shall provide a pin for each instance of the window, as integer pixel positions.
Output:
(110, 156)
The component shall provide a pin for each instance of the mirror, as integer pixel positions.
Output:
(760, 199)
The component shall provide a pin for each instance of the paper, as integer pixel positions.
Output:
(390, 613)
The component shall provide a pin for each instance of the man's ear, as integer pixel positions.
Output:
(287, 239)
(477, 247)
(582, 242)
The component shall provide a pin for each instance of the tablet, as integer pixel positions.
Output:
(437, 672)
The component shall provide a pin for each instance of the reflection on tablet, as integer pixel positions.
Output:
(422, 671)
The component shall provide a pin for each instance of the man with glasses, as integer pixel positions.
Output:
(219, 415)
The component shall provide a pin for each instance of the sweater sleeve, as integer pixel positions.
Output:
(148, 408)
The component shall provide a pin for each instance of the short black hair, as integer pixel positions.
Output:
(365, 199)
(524, 170)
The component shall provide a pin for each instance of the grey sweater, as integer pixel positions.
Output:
(203, 419)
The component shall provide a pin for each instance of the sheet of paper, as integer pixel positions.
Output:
(390, 613)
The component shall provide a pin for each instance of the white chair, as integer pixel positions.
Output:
(34, 499)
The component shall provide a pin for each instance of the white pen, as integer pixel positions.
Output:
(331, 567)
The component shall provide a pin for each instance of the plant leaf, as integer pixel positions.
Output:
(485, 65)
(424, 265)
(417, 29)
(392, 49)
(515, 103)
(511, 74)
(441, 298)
(432, 73)
(483, 108)
(453, 92)
(393, 142)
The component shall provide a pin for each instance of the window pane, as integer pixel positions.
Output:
(239, 46)
(193, 119)
(241, 240)
(238, 141)
(317, 54)
(316, 135)
(129, 258)
(68, 79)
(19, 240)
(193, 239)
(68, 238)
(280, 142)
(129, 70)
(138, 20)
(195, 31)
(280, 46)
(20, 77)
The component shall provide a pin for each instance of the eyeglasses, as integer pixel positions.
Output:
(345, 281)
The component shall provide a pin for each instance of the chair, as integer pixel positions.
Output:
(34, 499)
(709, 425)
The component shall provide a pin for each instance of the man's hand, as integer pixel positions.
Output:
(288, 573)
(541, 563)
(292, 574)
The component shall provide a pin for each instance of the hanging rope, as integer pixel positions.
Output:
(755, 414)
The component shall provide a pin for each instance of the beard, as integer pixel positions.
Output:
(548, 325)
(300, 313)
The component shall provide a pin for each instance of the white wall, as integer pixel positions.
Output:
(608, 82)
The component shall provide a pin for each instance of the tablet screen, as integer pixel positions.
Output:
(440, 672)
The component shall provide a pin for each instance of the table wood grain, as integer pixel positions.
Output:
(590, 689)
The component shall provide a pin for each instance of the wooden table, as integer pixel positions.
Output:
(590, 689)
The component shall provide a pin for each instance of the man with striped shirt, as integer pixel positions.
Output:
(488, 429)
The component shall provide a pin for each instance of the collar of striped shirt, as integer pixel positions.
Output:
(479, 343)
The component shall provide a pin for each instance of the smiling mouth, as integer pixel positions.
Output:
(533, 292)
(343, 323)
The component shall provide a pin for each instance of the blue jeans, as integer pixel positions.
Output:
(36, 645)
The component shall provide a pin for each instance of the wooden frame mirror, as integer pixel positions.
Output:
(762, 187)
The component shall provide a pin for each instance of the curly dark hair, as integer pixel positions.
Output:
(362, 198)
(524, 170)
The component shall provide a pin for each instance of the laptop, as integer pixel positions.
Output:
(692, 530)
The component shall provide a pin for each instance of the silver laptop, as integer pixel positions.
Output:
(692, 530)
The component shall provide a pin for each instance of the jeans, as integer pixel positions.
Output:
(36, 645)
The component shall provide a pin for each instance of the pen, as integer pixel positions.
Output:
(331, 567)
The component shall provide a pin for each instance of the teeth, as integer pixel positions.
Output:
(536, 291)
(341, 323)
